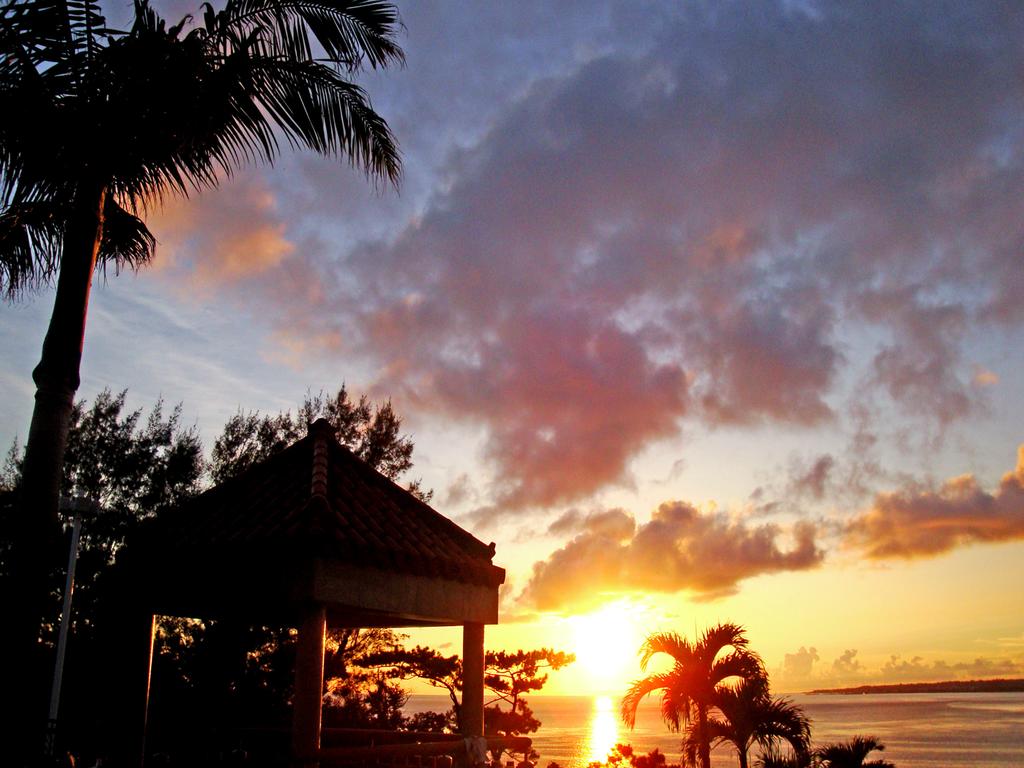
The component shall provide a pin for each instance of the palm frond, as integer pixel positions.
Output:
(85, 24)
(670, 643)
(217, 113)
(715, 639)
(31, 237)
(743, 664)
(772, 757)
(33, 32)
(127, 242)
(315, 107)
(638, 691)
(349, 31)
(851, 753)
(782, 719)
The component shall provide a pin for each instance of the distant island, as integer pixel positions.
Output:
(949, 686)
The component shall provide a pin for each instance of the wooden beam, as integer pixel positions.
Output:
(309, 681)
(472, 679)
(400, 598)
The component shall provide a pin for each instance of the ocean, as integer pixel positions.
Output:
(982, 730)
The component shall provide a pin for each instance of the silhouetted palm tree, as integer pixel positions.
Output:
(852, 754)
(688, 689)
(750, 714)
(97, 124)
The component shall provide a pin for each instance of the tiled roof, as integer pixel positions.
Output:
(316, 499)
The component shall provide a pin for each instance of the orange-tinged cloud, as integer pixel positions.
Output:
(224, 235)
(922, 522)
(984, 377)
(680, 548)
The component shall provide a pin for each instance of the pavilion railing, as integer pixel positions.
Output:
(425, 750)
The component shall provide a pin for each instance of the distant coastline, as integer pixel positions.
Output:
(1015, 685)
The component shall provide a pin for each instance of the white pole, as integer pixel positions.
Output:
(62, 639)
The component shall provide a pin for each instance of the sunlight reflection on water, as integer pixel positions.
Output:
(603, 731)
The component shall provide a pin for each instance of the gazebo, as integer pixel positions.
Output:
(313, 538)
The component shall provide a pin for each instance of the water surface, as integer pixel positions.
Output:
(982, 730)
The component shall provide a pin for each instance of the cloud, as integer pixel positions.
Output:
(919, 368)
(680, 548)
(802, 670)
(459, 491)
(921, 521)
(798, 671)
(679, 226)
(812, 481)
(222, 236)
(983, 377)
(847, 663)
(765, 360)
(672, 234)
(566, 523)
(898, 669)
(800, 664)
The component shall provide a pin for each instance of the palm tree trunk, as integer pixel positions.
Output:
(742, 751)
(57, 379)
(705, 743)
(57, 375)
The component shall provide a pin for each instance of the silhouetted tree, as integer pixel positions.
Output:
(99, 123)
(442, 672)
(509, 675)
(746, 714)
(623, 756)
(852, 754)
(371, 431)
(357, 696)
(688, 689)
(506, 675)
(130, 465)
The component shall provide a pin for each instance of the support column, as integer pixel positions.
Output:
(309, 681)
(127, 717)
(147, 629)
(473, 679)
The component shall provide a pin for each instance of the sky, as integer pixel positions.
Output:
(701, 311)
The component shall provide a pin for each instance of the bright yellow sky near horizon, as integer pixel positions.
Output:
(953, 609)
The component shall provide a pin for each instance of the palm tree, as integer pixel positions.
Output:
(772, 757)
(101, 123)
(97, 124)
(688, 690)
(852, 754)
(750, 714)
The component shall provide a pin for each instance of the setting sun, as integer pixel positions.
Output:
(605, 643)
